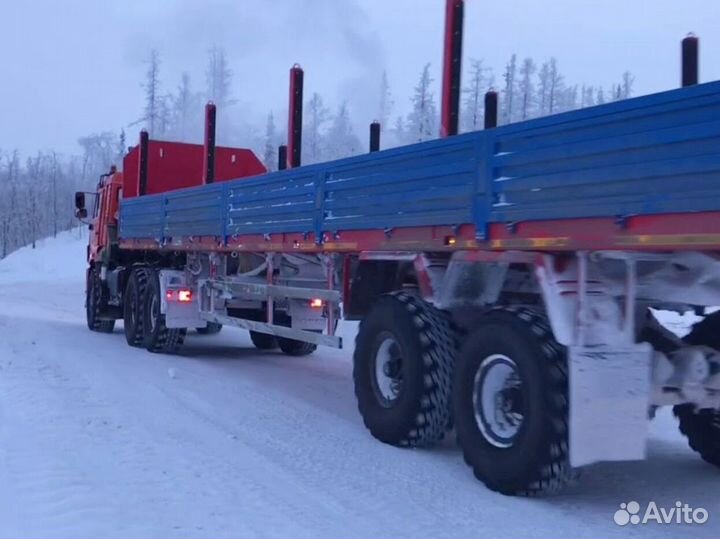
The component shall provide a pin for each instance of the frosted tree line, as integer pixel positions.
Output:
(36, 192)
(527, 90)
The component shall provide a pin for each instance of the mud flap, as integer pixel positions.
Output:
(609, 399)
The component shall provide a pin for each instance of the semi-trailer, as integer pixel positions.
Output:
(506, 281)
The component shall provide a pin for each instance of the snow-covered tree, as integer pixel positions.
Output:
(153, 98)
(526, 89)
(556, 86)
(270, 152)
(423, 120)
(121, 148)
(341, 140)
(186, 112)
(628, 81)
(386, 102)
(601, 99)
(316, 118)
(588, 96)
(508, 93)
(398, 134)
(219, 89)
(473, 111)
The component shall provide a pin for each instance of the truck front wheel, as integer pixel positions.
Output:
(157, 337)
(403, 369)
(95, 300)
(511, 404)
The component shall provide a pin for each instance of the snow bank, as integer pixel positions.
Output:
(53, 259)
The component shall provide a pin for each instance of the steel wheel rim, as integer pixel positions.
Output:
(387, 371)
(154, 312)
(498, 400)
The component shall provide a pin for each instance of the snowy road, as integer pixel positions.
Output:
(101, 440)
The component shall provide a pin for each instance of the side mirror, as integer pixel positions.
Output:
(81, 213)
(80, 201)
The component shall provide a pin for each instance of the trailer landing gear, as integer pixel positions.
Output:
(511, 405)
(403, 369)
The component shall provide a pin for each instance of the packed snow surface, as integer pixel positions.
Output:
(101, 440)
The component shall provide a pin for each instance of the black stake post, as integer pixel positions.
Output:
(295, 117)
(143, 162)
(690, 61)
(375, 137)
(452, 67)
(209, 148)
(282, 157)
(491, 109)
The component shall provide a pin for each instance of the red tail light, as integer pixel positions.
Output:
(185, 296)
(317, 303)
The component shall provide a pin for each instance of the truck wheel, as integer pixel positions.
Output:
(291, 347)
(510, 403)
(212, 328)
(263, 341)
(157, 337)
(702, 427)
(402, 370)
(133, 301)
(94, 302)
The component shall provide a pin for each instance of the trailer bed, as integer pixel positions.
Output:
(637, 174)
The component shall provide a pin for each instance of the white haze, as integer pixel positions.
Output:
(75, 67)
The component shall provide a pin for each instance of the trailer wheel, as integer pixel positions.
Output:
(157, 336)
(511, 403)
(402, 371)
(291, 347)
(263, 341)
(95, 299)
(133, 301)
(702, 427)
(212, 328)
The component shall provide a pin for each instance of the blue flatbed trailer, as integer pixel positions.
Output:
(625, 168)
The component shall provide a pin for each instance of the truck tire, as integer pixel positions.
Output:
(263, 341)
(95, 300)
(510, 403)
(133, 301)
(702, 427)
(212, 328)
(158, 338)
(702, 430)
(402, 369)
(291, 347)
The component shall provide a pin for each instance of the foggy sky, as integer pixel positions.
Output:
(73, 67)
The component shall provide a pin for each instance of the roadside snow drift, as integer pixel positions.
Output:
(101, 440)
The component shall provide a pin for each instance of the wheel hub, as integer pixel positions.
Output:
(498, 400)
(388, 380)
